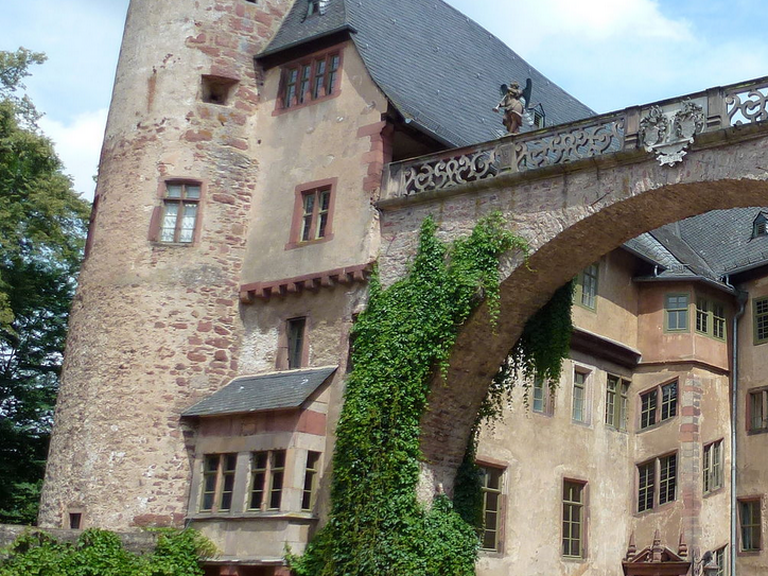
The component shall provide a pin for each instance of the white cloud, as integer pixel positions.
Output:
(78, 144)
(596, 20)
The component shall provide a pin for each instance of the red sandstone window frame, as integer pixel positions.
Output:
(317, 230)
(165, 200)
(299, 79)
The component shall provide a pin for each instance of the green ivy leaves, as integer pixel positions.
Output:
(376, 525)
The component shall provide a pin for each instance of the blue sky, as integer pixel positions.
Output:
(608, 53)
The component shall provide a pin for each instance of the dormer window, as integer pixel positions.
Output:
(313, 7)
(309, 80)
(760, 225)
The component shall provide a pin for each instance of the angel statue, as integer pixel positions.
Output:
(513, 103)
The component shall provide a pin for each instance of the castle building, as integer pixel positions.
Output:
(233, 232)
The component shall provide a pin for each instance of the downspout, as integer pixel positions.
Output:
(741, 298)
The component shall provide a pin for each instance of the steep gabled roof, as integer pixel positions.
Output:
(440, 69)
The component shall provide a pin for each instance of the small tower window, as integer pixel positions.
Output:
(760, 226)
(217, 89)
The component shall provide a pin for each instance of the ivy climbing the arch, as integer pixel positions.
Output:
(376, 524)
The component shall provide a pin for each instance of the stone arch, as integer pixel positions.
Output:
(577, 218)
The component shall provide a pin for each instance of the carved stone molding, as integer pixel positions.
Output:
(668, 133)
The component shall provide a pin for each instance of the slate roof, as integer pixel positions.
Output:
(289, 389)
(709, 246)
(438, 68)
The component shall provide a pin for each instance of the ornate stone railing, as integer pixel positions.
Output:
(665, 128)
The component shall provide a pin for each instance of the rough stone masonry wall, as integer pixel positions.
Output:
(155, 327)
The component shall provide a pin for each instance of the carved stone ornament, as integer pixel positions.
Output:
(668, 134)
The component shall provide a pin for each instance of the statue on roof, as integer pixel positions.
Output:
(513, 104)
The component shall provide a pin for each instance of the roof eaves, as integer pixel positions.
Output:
(687, 278)
(267, 52)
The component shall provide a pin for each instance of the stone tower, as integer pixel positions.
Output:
(156, 318)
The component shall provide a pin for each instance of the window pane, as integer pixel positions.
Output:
(173, 190)
(193, 192)
(168, 227)
(668, 479)
(648, 409)
(188, 223)
(491, 488)
(669, 401)
(538, 395)
(610, 401)
(579, 414)
(645, 486)
(295, 342)
(572, 519)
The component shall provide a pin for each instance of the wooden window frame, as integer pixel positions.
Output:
(544, 396)
(283, 360)
(713, 461)
(272, 483)
(751, 501)
(311, 480)
(566, 522)
(669, 309)
(296, 335)
(656, 394)
(760, 320)
(721, 559)
(219, 488)
(616, 402)
(587, 280)
(306, 71)
(708, 322)
(658, 483)
(584, 387)
(498, 528)
(762, 393)
(164, 201)
(298, 220)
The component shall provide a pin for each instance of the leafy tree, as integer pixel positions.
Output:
(42, 227)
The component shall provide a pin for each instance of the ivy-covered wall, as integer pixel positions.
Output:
(376, 524)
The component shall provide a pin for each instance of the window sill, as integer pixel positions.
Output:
(294, 244)
(158, 244)
(757, 431)
(279, 111)
(714, 492)
(575, 559)
(657, 425)
(240, 516)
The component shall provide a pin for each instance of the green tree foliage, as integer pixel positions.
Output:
(101, 553)
(42, 228)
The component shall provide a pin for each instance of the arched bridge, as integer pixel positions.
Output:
(575, 192)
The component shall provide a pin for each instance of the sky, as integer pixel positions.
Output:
(609, 54)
